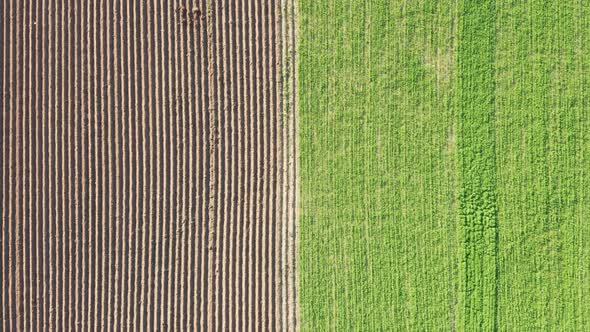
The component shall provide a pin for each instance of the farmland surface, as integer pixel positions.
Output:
(250, 165)
(444, 162)
(147, 165)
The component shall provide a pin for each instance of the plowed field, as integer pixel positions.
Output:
(148, 165)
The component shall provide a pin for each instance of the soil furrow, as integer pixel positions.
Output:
(132, 169)
(18, 174)
(25, 191)
(34, 206)
(53, 125)
(37, 129)
(182, 176)
(234, 282)
(77, 172)
(195, 158)
(216, 140)
(142, 203)
(147, 173)
(205, 197)
(5, 314)
(96, 88)
(247, 155)
(251, 280)
(125, 136)
(170, 137)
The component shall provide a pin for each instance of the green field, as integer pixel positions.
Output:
(444, 165)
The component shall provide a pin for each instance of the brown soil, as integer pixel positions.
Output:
(148, 158)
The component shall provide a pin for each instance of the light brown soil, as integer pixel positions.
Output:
(148, 156)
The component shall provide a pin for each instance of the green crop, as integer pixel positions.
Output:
(444, 165)
(378, 222)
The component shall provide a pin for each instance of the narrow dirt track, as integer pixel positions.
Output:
(148, 156)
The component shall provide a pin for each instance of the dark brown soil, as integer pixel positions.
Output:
(148, 177)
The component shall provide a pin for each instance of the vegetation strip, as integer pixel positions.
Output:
(543, 164)
(477, 166)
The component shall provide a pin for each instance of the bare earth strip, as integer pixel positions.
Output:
(149, 165)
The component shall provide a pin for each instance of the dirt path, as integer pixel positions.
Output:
(148, 165)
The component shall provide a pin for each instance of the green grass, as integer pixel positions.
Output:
(543, 161)
(444, 165)
(477, 166)
(378, 231)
